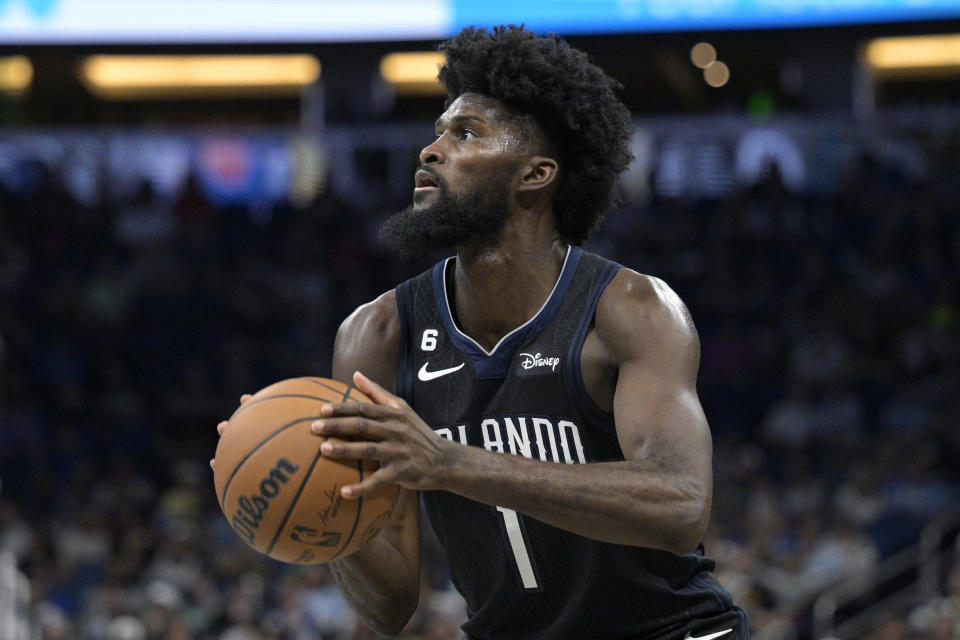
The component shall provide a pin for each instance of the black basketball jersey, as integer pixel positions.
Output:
(522, 578)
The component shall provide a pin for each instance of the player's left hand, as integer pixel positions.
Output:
(386, 430)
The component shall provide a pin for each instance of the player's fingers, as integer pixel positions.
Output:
(245, 397)
(365, 409)
(221, 427)
(335, 448)
(348, 427)
(376, 393)
(370, 484)
(213, 463)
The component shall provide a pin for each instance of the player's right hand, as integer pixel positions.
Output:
(223, 425)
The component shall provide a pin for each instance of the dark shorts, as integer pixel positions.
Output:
(729, 625)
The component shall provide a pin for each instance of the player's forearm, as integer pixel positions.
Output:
(381, 581)
(621, 502)
(379, 585)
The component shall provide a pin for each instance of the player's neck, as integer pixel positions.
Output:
(498, 288)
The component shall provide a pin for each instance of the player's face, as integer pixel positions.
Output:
(476, 142)
(466, 180)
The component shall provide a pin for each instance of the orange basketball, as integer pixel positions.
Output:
(276, 489)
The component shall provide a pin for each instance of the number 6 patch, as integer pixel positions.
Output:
(430, 339)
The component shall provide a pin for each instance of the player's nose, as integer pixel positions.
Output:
(432, 154)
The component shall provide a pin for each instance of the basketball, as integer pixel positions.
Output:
(277, 491)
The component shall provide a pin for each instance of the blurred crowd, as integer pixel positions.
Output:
(830, 376)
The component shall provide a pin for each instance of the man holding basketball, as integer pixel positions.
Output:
(578, 506)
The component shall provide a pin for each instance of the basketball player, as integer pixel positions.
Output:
(539, 400)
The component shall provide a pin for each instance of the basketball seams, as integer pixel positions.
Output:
(320, 382)
(356, 517)
(343, 394)
(293, 503)
(260, 444)
(350, 388)
(250, 428)
(256, 401)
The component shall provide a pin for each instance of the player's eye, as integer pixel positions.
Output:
(461, 134)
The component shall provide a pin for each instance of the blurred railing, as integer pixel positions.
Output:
(906, 579)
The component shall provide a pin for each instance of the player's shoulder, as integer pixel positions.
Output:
(379, 316)
(637, 309)
(369, 340)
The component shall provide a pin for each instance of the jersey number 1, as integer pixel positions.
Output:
(518, 545)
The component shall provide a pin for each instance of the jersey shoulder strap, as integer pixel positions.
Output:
(414, 296)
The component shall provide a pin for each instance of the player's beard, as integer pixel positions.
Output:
(475, 218)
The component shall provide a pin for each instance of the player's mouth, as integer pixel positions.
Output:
(426, 180)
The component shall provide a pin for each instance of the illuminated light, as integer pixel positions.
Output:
(717, 74)
(16, 74)
(413, 73)
(914, 52)
(125, 77)
(703, 54)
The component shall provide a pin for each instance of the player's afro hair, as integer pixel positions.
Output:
(573, 101)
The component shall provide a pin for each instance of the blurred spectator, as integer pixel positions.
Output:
(144, 220)
(790, 422)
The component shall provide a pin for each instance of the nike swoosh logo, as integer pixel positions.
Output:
(427, 376)
(689, 636)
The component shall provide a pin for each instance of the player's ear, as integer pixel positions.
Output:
(539, 172)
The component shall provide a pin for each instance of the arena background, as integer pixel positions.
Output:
(164, 249)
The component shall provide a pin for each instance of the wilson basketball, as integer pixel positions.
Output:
(278, 492)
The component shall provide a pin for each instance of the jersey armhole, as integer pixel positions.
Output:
(574, 375)
(404, 379)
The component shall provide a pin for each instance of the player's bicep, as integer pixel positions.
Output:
(660, 422)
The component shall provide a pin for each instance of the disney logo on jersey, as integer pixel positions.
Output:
(531, 361)
(538, 362)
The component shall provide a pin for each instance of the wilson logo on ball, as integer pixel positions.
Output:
(251, 509)
(277, 491)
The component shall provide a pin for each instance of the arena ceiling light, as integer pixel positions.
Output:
(413, 72)
(703, 54)
(197, 76)
(715, 72)
(906, 54)
(16, 74)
